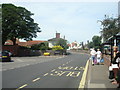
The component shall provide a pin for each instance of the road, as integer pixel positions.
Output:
(44, 72)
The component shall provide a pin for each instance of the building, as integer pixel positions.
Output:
(52, 42)
(75, 45)
(110, 45)
(26, 44)
(17, 50)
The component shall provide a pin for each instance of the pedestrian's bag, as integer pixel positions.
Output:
(95, 61)
(102, 60)
(111, 74)
(110, 68)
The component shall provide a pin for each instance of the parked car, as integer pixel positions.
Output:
(5, 56)
(10, 54)
(46, 54)
(59, 52)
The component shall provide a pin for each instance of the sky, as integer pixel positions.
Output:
(78, 21)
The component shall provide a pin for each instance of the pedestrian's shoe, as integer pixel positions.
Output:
(112, 80)
(92, 64)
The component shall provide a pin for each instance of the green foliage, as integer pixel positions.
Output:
(96, 40)
(35, 47)
(23, 47)
(57, 48)
(62, 43)
(110, 27)
(17, 23)
(42, 46)
(90, 45)
(95, 43)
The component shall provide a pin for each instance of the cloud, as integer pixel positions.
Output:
(77, 21)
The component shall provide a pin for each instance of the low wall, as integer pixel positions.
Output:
(18, 51)
(13, 49)
(27, 52)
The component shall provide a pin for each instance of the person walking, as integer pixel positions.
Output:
(99, 55)
(117, 71)
(93, 55)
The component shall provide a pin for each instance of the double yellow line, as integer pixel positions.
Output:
(84, 76)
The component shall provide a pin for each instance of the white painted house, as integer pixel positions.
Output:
(75, 45)
(52, 42)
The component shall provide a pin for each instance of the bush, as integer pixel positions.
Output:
(57, 48)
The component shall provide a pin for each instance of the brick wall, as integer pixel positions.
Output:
(13, 49)
(16, 50)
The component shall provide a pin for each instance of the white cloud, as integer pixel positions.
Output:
(77, 21)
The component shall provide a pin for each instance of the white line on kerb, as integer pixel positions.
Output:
(82, 82)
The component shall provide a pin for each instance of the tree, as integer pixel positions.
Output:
(17, 23)
(42, 46)
(110, 27)
(62, 43)
(90, 45)
(95, 43)
(119, 22)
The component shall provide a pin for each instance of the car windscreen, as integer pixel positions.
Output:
(5, 54)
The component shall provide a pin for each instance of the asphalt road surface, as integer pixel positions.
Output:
(44, 72)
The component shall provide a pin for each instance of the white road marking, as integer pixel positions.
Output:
(45, 74)
(22, 86)
(36, 79)
(53, 70)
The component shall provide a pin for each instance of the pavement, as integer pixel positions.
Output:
(98, 77)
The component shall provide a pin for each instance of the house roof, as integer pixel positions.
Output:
(8, 42)
(69, 45)
(22, 43)
(28, 43)
(55, 39)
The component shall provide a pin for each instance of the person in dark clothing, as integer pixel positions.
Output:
(117, 61)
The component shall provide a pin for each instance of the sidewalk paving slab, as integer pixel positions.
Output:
(98, 77)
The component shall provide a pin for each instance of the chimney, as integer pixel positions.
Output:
(57, 35)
